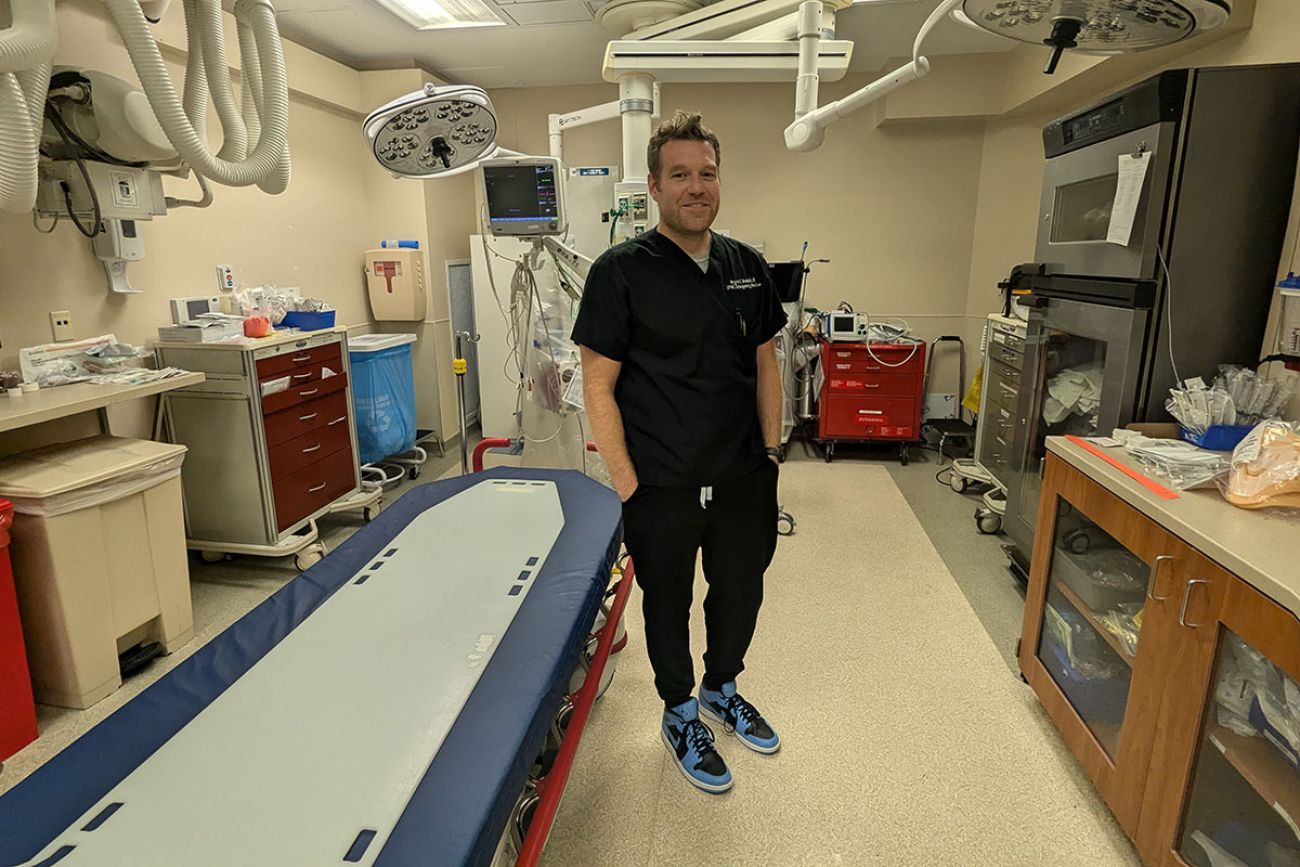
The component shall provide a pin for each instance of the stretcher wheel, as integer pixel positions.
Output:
(212, 556)
(988, 522)
(956, 482)
(308, 557)
(785, 524)
(368, 515)
(1078, 541)
(413, 473)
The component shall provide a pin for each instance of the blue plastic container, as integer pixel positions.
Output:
(308, 320)
(383, 394)
(1220, 438)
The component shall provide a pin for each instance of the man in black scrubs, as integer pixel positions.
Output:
(684, 395)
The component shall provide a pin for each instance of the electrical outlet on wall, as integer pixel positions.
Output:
(61, 324)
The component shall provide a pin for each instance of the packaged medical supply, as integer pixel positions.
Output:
(1182, 465)
(1256, 398)
(1265, 469)
(80, 361)
(257, 326)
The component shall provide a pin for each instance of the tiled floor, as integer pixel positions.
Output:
(883, 656)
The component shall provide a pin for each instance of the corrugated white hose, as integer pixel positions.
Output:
(196, 82)
(25, 52)
(209, 28)
(267, 162)
(251, 65)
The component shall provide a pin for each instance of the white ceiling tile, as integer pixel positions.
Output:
(364, 34)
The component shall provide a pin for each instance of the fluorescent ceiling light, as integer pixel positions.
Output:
(443, 14)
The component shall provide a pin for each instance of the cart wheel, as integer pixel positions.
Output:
(988, 522)
(902, 455)
(308, 557)
(1079, 542)
(785, 524)
(830, 452)
(956, 482)
(212, 556)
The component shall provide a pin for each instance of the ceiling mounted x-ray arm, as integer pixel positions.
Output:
(810, 121)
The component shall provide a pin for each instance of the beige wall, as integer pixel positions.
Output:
(313, 236)
(891, 206)
(922, 205)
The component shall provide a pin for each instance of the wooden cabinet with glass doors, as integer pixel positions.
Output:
(1173, 681)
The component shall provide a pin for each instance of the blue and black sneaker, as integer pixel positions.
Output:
(691, 743)
(739, 717)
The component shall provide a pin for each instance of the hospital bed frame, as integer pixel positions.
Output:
(535, 812)
(550, 788)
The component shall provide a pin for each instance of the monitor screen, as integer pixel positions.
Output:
(521, 193)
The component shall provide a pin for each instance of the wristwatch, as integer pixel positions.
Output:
(775, 452)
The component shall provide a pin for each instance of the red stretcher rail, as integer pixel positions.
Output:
(501, 443)
(551, 787)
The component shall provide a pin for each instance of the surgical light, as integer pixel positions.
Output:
(442, 14)
(1096, 26)
(433, 131)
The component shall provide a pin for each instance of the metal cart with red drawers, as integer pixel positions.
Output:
(871, 393)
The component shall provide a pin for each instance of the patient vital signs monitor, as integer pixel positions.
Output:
(524, 196)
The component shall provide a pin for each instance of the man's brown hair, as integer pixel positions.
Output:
(682, 126)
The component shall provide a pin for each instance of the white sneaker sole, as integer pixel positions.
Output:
(767, 751)
(699, 784)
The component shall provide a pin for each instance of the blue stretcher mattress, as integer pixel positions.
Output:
(460, 807)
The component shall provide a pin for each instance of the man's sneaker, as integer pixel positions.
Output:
(691, 743)
(739, 717)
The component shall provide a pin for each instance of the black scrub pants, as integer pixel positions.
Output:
(664, 530)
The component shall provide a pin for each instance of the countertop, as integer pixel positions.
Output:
(1260, 547)
(48, 404)
(248, 344)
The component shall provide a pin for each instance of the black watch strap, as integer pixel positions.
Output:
(773, 451)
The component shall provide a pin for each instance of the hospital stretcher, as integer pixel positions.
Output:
(416, 698)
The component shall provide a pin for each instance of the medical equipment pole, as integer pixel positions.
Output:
(460, 367)
(636, 104)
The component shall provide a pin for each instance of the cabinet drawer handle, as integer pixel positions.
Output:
(1155, 577)
(1187, 595)
(319, 487)
(299, 359)
(302, 376)
(872, 385)
(871, 412)
(337, 420)
(308, 417)
(314, 448)
(308, 393)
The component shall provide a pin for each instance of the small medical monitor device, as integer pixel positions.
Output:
(524, 196)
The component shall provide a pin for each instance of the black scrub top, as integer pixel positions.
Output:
(687, 340)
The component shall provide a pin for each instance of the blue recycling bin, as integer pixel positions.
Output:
(383, 394)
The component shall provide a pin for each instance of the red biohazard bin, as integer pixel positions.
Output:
(17, 711)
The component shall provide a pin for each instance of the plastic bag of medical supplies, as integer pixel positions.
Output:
(1265, 469)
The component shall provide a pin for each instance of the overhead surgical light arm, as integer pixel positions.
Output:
(809, 127)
